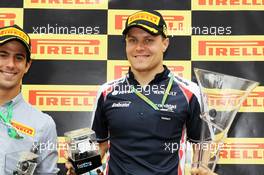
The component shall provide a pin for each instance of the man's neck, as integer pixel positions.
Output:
(6, 96)
(145, 77)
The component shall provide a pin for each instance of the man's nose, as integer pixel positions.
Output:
(10, 62)
(140, 46)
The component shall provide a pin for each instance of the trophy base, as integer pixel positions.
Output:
(87, 164)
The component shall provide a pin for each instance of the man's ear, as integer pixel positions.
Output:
(166, 43)
(28, 64)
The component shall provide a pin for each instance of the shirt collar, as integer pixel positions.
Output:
(157, 79)
(15, 100)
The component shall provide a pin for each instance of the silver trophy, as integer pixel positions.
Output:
(21, 163)
(83, 150)
(221, 97)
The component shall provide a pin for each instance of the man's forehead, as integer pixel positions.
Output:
(136, 31)
(14, 45)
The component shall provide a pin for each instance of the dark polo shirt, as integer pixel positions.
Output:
(145, 141)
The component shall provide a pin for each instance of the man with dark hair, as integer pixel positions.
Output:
(139, 117)
(22, 127)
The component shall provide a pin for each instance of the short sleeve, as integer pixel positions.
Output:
(99, 124)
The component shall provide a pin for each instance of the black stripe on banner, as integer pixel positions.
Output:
(238, 22)
(179, 48)
(66, 72)
(68, 120)
(59, 21)
(240, 169)
(252, 70)
(150, 4)
(13, 3)
(116, 47)
(247, 125)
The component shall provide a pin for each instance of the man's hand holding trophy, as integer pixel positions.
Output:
(21, 163)
(83, 151)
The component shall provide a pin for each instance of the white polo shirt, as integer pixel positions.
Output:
(38, 130)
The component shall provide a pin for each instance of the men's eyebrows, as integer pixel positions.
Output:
(130, 36)
(3, 51)
(21, 54)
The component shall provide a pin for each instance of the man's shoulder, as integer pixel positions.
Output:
(185, 82)
(109, 86)
(37, 115)
(188, 85)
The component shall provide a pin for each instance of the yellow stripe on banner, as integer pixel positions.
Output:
(228, 48)
(223, 5)
(117, 69)
(61, 97)
(66, 4)
(11, 16)
(228, 99)
(62, 149)
(68, 47)
(242, 151)
(254, 102)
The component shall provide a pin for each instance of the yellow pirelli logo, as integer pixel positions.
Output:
(223, 99)
(178, 22)
(69, 47)
(242, 151)
(228, 48)
(118, 69)
(11, 16)
(254, 102)
(61, 97)
(62, 149)
(67, 4)
(230, 99)
(144, 16)
(228, 5)
(23, 128)
(15, 32)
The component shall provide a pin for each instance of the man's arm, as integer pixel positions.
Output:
(103, 148)
(201, 170)
(48, 155)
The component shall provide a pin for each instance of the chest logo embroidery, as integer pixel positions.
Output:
(23, 128)
(121, 104)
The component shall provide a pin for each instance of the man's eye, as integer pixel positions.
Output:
(132, 41)
(20, 57)
(148, 41)
(3, 55)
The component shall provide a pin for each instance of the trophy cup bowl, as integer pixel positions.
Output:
(21, 163)
(221, 97)
(83, 150)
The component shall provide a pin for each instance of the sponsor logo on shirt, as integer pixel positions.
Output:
(23, 128)
(162, 92)
(121, 92)
(121, 104)
(169, 107)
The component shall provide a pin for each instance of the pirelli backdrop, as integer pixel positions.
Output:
(77, 45)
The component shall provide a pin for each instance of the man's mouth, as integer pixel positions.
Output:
(142, 56)
(8, 73)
